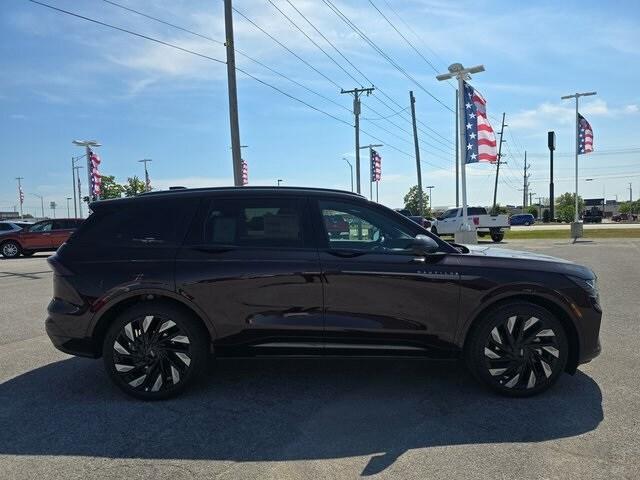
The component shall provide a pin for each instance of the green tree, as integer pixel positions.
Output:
(109, 187)
(412, 202)
(630, 207)
(565, 206)
(533, 211)
(133, 187)
(499, 210)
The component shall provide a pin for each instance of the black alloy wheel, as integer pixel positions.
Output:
(519, 350)
(154, 353)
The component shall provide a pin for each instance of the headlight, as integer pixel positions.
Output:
(588, 285)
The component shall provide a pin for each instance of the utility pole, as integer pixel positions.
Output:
(576, 229)
(370, 147)
(412, 100)
(357, 92)
(20, 194)
(350, 168)
(531, 194)
(525, 186)
(551, 143)
(539, 207)
(467, 232)
(630, 192)
(495, 189)
(233, 94)
(147, 181)
(68, 210)
(457, 156)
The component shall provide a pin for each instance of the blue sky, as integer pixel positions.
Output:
(63, 78)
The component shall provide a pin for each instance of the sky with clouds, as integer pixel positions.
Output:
(63, 78)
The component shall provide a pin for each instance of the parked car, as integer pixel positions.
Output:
(155, 283)
(485, 224)
(624, 217)
(522, 219)
(13, 226)
(46, 235)
(422, 221)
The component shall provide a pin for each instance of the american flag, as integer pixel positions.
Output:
(245, 173)
(585, 136)
(21, 193)
(479, 136)
(96, 178)
(376, 166)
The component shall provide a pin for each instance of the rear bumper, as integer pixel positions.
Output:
(67, 327)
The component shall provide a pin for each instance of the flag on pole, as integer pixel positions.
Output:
(480, 138)
(585, 136)
(21, 193)
(376, 166)
(96, 178)
(245, 173)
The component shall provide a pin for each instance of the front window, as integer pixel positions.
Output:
(451, 213)
(351, 226)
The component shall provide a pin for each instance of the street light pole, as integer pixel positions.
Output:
(147, 182)
(280, 181)
(467, 233)
(78, 167)
(68, 210)
(41, 202)
(351, 168)
(576, 229)
(20, 194)
(430, 200)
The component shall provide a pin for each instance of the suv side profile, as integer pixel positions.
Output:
(157, 283)
(43, 236)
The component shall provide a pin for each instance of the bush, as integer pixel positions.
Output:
(546, 216)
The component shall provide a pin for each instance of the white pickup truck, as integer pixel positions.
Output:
(485, 224)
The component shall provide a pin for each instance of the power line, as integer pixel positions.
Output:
(151, 39)
(381, 52)
(388, 116)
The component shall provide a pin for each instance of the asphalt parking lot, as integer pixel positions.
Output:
(321, 418)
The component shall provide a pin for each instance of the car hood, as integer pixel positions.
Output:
(542, 262)
(488, 251)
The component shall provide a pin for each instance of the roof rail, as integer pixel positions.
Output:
(177, 189)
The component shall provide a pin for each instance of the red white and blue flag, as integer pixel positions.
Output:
(245, 173)
(376, 166)
(96, 178)
(585, 136)
(480, 138)
(21, 194)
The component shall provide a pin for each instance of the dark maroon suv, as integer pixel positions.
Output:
(157, 283)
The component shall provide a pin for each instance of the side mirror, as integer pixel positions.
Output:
(424, 245)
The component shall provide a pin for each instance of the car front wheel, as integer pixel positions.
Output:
(10, 249)
(154, 350)
(518, 350)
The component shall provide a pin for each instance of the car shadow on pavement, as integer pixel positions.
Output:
(284, 409)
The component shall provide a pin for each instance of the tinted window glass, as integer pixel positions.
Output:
(250, 222)
(59, 224)
(140, 224)
(451, 213)
(5, 227)
(476, 211)
(41, 227)
(355, 226)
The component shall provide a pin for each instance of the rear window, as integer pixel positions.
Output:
(134, 224)
(250, 222)
(5, 227)
(476, 211)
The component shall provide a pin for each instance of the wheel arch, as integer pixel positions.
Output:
(114, 308)
(556, 309)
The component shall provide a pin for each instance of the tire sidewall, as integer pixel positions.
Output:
(187, 323)
(475, 352)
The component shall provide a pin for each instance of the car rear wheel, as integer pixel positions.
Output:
(497, 237)
(10, 249)
(518, 350)
(155, 350)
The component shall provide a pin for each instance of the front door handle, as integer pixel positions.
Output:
(346, 253)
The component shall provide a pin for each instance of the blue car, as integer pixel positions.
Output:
(522, 219)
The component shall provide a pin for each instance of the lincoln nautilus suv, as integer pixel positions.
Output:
(160, 283)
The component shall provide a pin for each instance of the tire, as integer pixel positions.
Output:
(10, 249)
(516, 361)
(28, 253)
(155, 350)
(526, 224)
(497, 237)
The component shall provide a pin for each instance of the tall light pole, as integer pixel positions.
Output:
(430, 187)
(467, 233)
(20, 194)
(351, 168)
(280, 181)
(78, 167)
(73, 185)
(147, 181)
(88, 144)
(41, 202)
(68, 210)
(576, 229)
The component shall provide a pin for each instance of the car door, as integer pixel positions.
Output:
(379, 296)
(37, 237)
(251, 264)
(60, 232)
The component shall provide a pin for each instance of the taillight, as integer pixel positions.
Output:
(57, 266)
